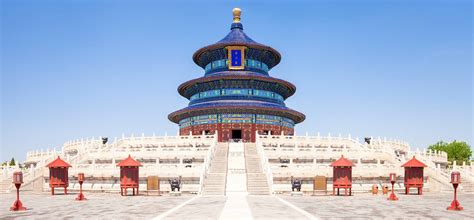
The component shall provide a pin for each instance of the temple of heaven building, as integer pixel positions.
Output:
(236, 97)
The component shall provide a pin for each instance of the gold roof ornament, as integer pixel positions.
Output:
(236, 12)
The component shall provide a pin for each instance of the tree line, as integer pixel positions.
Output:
(458, 151)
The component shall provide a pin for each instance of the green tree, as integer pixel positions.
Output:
(458, 151)
(12, 162)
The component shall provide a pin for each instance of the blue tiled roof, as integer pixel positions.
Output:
(262, 107)
(257, 51)
(237, 36)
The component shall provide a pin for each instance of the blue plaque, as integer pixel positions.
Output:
(236, 57)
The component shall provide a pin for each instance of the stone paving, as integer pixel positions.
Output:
(364, 206)
(268, 207)
(114, 206)
(208, 207)
(98, 206)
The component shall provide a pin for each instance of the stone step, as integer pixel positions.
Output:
(216, 189)
(257, 182)
(214, 182)
(219, 182)
(257, 178)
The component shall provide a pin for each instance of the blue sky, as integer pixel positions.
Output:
(74, 69)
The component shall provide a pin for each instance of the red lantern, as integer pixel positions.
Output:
(393, 179)
(17, 180)
(455, 180)
(455, 177)
(80, 178)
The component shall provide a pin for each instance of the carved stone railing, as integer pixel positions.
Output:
(207, 164)
(266, 168)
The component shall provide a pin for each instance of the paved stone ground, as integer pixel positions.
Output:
(364, 206)
(209, 207)
(268, 207)
(114, 206)
(98, 206)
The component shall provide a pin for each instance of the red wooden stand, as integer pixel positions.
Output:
(58, 175)
(129, 175)
(17, 205)
(414, 175)
(342, 175)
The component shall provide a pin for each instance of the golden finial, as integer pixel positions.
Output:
(236, 12)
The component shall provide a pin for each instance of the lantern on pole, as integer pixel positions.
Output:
(393, 179)
(17, 180)
(80, 178)
(455, 180)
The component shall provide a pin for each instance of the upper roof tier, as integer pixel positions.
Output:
(237, 37)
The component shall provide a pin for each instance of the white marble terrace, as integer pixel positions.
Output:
(307, 156)
(190, 156)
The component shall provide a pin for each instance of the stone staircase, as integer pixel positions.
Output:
(467, 185)
(5, 185)
(256, 179)
(215, 180)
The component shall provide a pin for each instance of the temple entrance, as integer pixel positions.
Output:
(236, 134)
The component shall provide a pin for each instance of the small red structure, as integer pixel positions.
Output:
(342, 175)
(80, 178)
(129, 177)
(393, 179)
(414, 175)
(58, 175)
(17, 180)
(455, 180)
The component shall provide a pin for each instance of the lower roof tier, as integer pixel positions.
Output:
(236, 79)
(237, 108)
